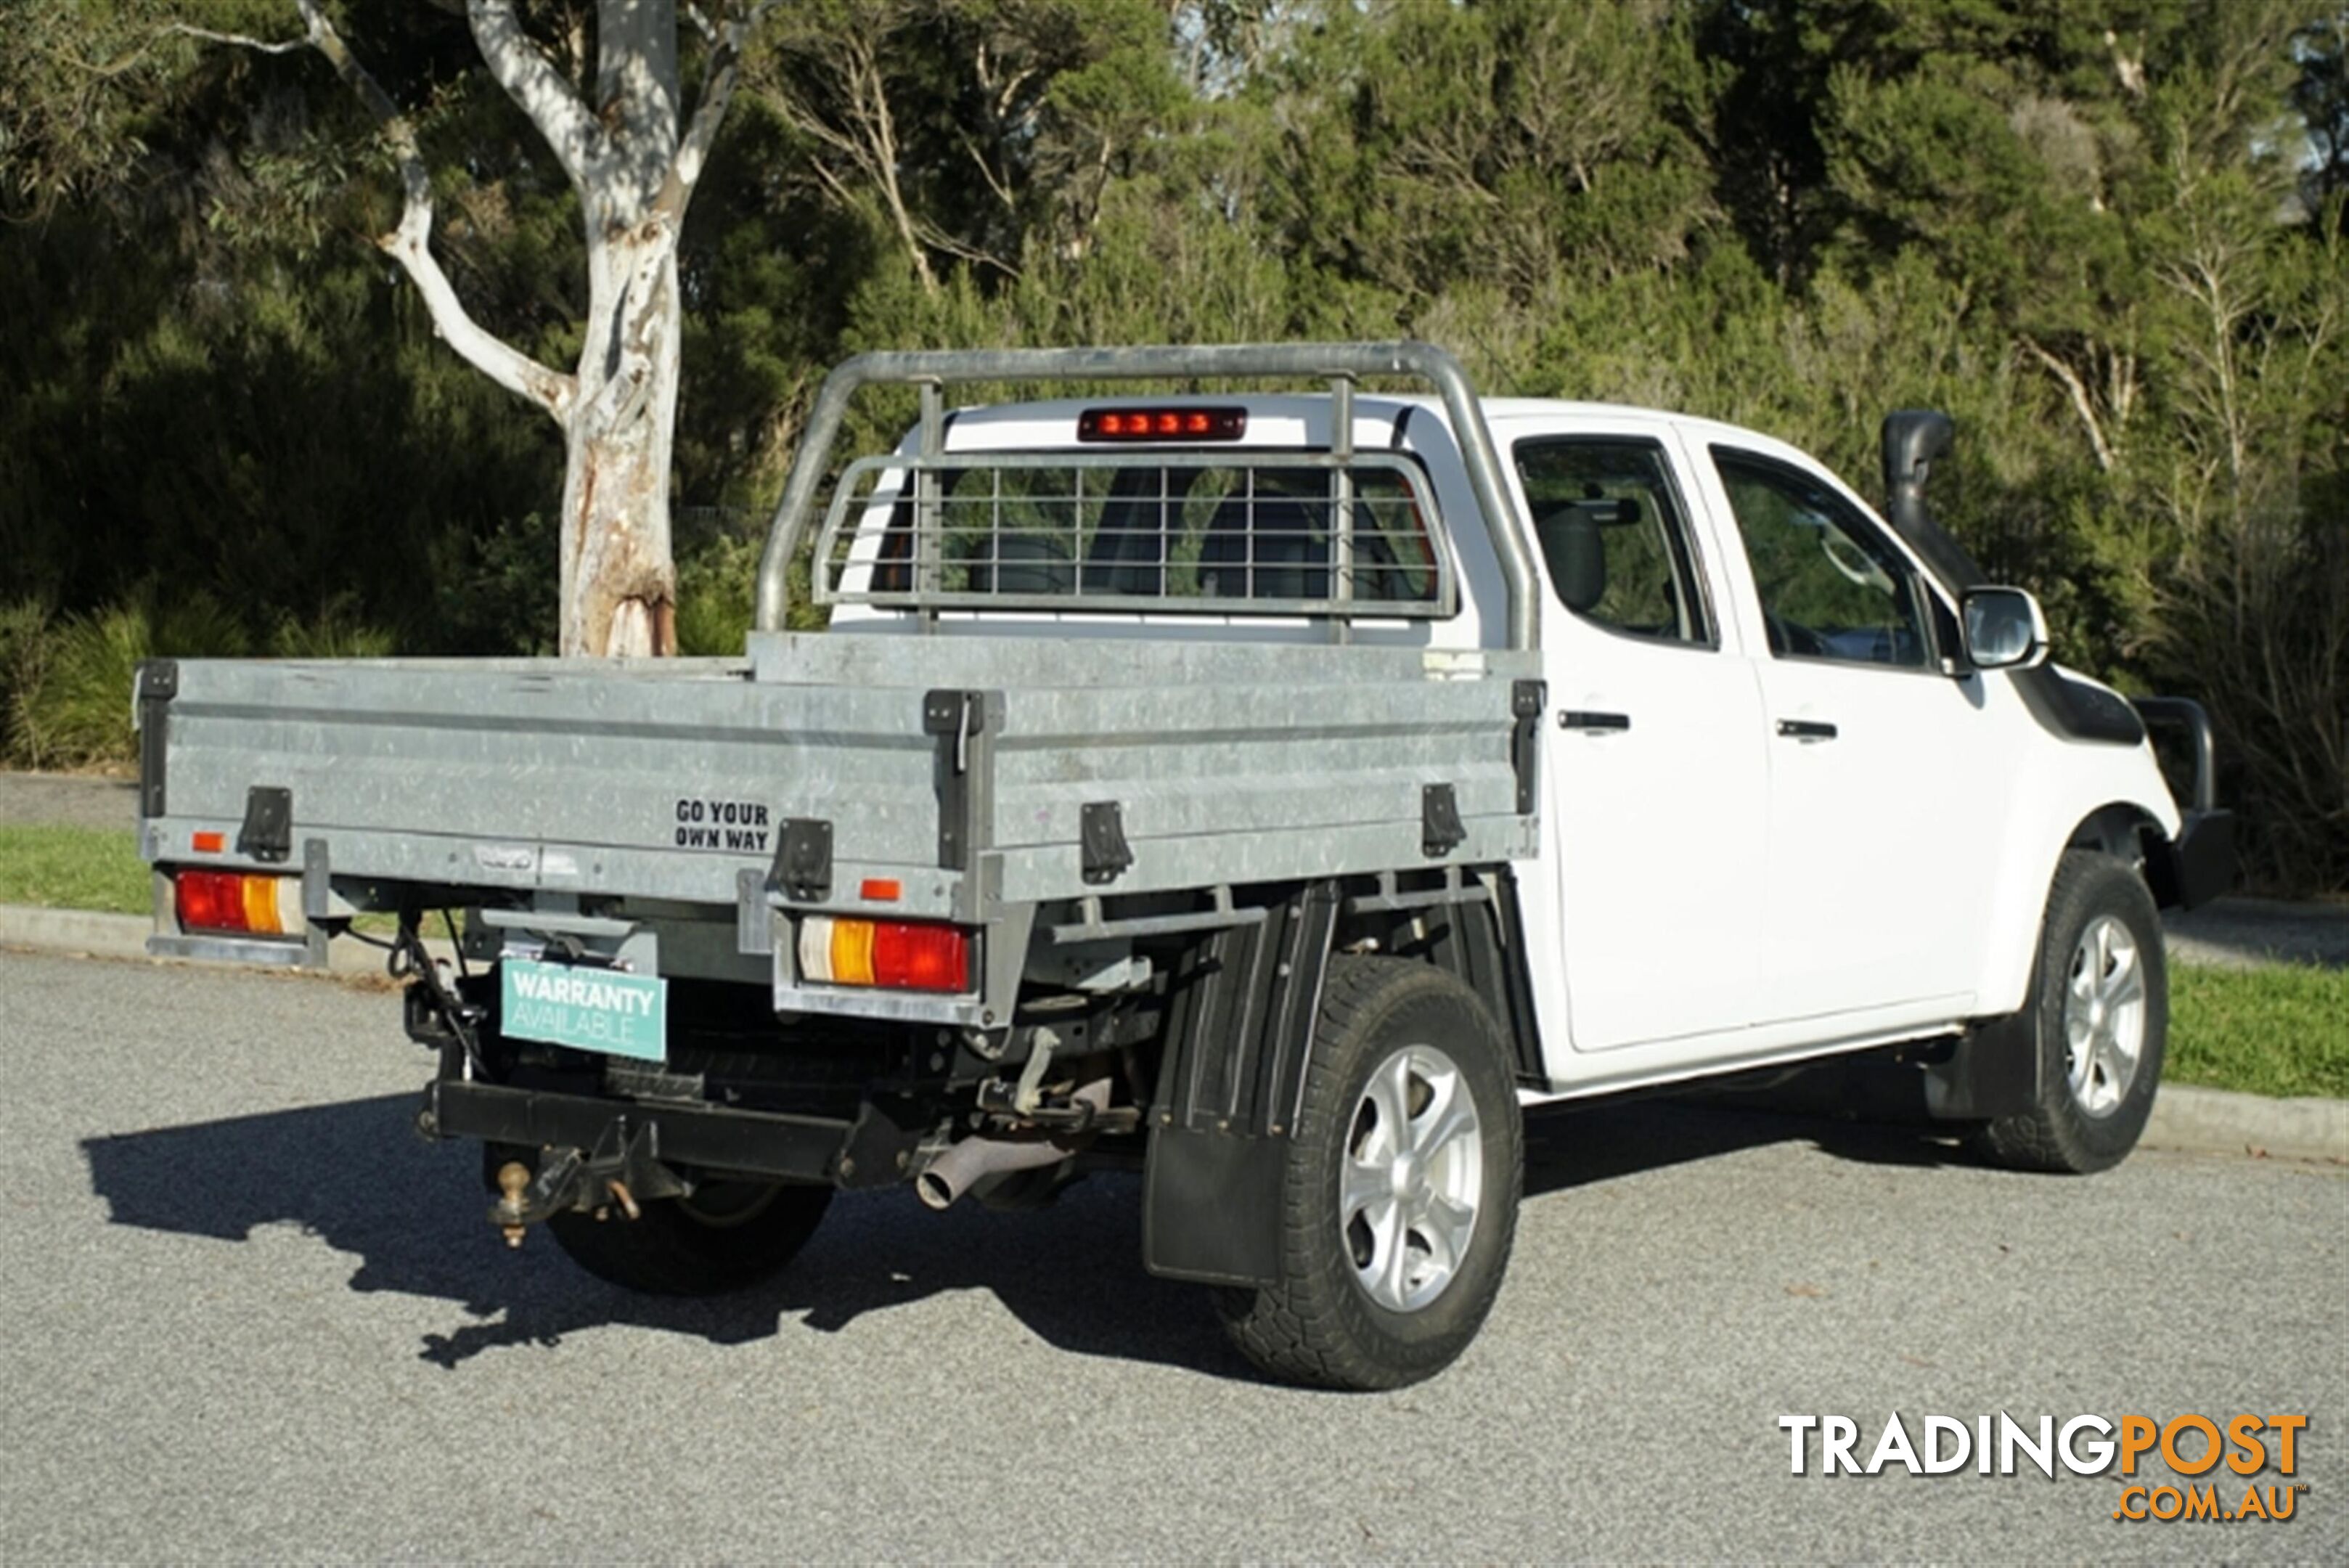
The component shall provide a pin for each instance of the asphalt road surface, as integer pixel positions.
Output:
(249, 1315)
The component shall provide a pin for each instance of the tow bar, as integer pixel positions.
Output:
(624, 1172)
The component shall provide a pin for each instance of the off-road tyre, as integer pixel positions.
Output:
(2057, 1134)
(1320, 1326)
(728, 1236)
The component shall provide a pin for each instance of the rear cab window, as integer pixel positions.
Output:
(1614, 535)
(1258, 530)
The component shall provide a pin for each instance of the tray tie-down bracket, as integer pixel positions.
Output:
(1104, 853)
(267, 833)
(1441, 830)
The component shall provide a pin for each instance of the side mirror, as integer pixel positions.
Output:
(2005, 630)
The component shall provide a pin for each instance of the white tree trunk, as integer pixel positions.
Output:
(619, 587)
(618, 579)
(633, 161)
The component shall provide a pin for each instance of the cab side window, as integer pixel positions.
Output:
(1831, 585)
(1614, 535)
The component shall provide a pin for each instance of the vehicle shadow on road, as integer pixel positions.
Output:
(415, 1217)
(1571, 1146)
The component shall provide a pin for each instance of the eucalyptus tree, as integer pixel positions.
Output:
(603, 83)
(974, 133)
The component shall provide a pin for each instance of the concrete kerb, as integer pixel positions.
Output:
(2219, 1120)
(91, 934)
(2185, 1118)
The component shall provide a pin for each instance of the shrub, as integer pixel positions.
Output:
(716, 588)
(334, 632)
(23, 648)
(74, 709)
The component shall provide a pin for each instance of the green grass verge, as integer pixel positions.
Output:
(73, 868)
(2282, 1029)
(92, 869)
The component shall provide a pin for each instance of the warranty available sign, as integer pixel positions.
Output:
(603, 1009)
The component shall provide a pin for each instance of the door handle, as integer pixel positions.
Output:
(1594, 724)
(1807, 730)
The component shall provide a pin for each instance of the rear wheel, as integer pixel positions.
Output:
(1400, 1191)
(725, 1236)
(2100, 1002)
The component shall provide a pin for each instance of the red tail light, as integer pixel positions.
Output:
(908, 957)
(210, 900)
(230, 901)
(894, 955)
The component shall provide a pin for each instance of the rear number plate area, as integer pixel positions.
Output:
(605, 1010)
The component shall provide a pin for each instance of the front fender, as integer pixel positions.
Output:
(2068, 791)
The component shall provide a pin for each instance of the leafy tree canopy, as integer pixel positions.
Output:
(2106, 234)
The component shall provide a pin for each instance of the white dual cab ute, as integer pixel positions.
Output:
(1273, 794)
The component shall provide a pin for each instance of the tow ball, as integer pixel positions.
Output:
(624, 1172)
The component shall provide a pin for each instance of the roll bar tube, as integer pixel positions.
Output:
(1420, 361)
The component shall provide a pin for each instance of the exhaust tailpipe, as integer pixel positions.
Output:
(966, 1163)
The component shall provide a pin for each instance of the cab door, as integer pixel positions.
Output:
(1880, 787)
(1656, 774)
